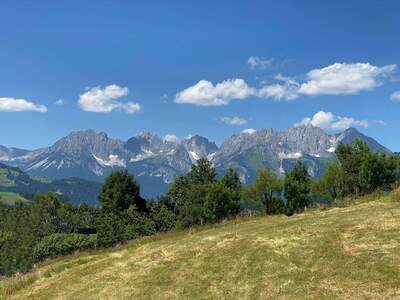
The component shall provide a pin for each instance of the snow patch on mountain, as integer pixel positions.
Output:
(295, 155)
(142, 156)
(193, 156)
(331, 150)
(113, 161)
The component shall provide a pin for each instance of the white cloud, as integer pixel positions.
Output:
(59, 102)
(259, 62)
(105, 100)
(395, 96)
(172, 138)
(233, 121)
(336, 79)
(18, 105)
(204, 93)
(329, 121)
(249, 131)
(286, 91)
(342, 79)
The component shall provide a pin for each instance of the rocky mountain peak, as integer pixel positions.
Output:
(200, 145)
(156, 161)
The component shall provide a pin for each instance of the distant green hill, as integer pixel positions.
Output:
(8, 198)
(75, 190)
(352, 252)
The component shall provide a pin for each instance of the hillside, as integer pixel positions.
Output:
(350, 252)
(11, 199)
(16, 185)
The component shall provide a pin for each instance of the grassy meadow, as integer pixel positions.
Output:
(347, 252)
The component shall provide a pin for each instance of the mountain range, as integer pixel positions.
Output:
(156, 161)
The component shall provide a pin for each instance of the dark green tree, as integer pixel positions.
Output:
(297, 189)
(202, 172)
(200, 198)
(220, 202)
(231, 179)
(350, 157)
(363, 170)
(119, 192)
(162, 214)
(266, 190)
(331, 185)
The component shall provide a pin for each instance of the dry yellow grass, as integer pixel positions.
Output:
(346, 253)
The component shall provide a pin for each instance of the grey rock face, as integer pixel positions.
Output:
(280, 150)
(156, 161)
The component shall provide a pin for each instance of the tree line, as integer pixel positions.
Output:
(49, 227)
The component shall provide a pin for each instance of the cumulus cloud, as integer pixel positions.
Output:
(336, 79)
(395, 96)
(259, 62)
(287, 90)
(204, 93)
(17, 105)
(233, 121)
(171, 138)
(341, 79)
(329, 121)
(105, 100)
(249, 131)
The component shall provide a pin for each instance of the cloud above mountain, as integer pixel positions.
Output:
(335, 79)
(171, 138)
(329, 121)
(107, 99)
(18, 105)
(249, 131)
(288, 89)
(233, 121)
(205, 93)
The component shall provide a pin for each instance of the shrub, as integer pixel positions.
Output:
(63, 243)
(137, 224)
(162, 215)
(110, 229)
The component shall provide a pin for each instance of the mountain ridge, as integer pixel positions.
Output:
(156, 161)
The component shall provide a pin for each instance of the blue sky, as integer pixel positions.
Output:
(212, 68)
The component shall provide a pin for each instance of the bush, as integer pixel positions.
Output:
(110, 229)
(63, 243)
(163, 216)
(137, 224)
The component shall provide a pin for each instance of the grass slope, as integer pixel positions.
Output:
(348, 253)
(11, 199)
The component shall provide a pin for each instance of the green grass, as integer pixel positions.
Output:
(4, 180)
(349, 252)
(11, 199)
